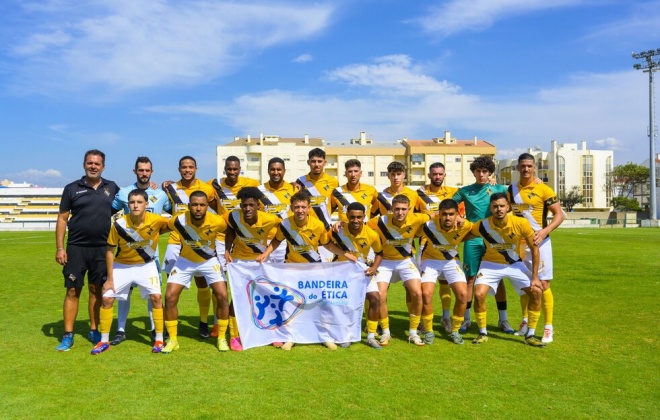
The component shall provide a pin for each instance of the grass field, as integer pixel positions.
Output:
(604, 362)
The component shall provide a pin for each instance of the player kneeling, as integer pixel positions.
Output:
(136, 237)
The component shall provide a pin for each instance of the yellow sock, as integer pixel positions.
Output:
(428, 322)
(445, 296)
(204, 301)
(222, 328)
(533, 319)
(233, 327)
(106, 320)
(172, 329)
(548, 306)
(385, 323)
(158, 320)
(456, 322)
(372, 326)
(524, 301)
(414, 322)
(481, 319)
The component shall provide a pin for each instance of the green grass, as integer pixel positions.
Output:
(603, 363)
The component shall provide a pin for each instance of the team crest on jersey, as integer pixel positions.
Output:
(312, 236)
(363, 244)
(150, 231)
(363, 196)
(208, 232)
(409, 229)
(153, 199)
(488, 191)
(260, 231)
(106, 192)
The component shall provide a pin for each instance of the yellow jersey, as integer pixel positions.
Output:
(503, 245)
(359, 244)
(385, 200)
(226, 195)
(439, 244)
(179, 198)
(302, 242)
(136, 244)
(532, 202)
(251, 240)
(277, 201)
(363, 194)
(321, 191)
(397, 240)
(197, 242)
(431, 200)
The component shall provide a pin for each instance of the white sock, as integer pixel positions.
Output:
(386, 331)
(123, 307)
(446, 314)
(503, 315)
(150, 309)
(531, 332)
(105, 337)
(483, 331)
(412, 332)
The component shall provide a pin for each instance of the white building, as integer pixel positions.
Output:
(567, 165)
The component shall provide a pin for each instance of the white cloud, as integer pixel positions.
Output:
(127, 45)
(586, 107)
(609, 143)
(392, 74)
(632, 30)
(35, 176)
(303, 58)
(455, 16)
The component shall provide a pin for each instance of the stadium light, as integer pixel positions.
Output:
(649, 66)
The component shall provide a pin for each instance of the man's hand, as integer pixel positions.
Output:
(109, 285)
(60, 256)
(370, 271)
(228, 257)
(536, 283)
(167, 184)
(540, 235)
(261, 258)
(350, 257)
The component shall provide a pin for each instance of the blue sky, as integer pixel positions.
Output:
(171, 78)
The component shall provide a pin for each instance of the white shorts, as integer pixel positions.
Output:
(449, 270)
(144, 276)
(278, 255)
(545, 259)
(491, 274)
(184, 270)
(171, 254)
(372, 286)
(391, 271)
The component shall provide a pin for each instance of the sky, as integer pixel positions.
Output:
(172, 78)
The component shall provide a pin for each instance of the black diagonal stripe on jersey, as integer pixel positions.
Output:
(265, 201)
(239, 232)
(171, 191)
(384, 202)
(425, 197)
(339, 241)
(510, 191)
(184, 234)
(386, 232)
(290, 239)
(128, 238)
(340, 197)
(490, 239)
(321, 216)
(431, 236)
(218, 189)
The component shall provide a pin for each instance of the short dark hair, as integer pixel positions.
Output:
(303, 195)
(526, 156)
(94, 152)
(143, 159)
(276, 160)
(400, 199)
(356, 206)
(249, 192)
(351, 163)
(198, 193)
(499, 196)
(447, 204)
(396, 167)
(436, 165)
(483, 161)
(141, 193)
(316, 152)
(187, 158)
(232, 159)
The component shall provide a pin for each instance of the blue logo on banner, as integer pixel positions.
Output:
(273, 304)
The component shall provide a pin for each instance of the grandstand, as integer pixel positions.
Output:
(29, 208)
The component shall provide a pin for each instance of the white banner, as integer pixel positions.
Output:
(303, 303)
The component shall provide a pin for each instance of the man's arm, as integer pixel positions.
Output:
(370, 271)
(274, 243)
(60, 231)
(332, 247)
(557, 219)
(230, 235)
(535, 262)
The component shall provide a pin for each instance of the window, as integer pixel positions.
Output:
(561, 175)
(458, 159)
(417, 158)
(608, 183)
(588, 180)
(254, 159)
(383, 174)
(370, 173)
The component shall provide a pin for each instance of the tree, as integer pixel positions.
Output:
(625, 204)
(571, 199)
(629, 179)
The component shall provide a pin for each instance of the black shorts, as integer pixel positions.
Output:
(83, 260)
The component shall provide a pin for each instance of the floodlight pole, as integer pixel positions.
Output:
(649, 67)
